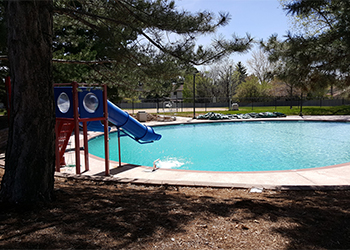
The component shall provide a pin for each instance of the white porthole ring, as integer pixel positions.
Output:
(63, 103)
(90, 103)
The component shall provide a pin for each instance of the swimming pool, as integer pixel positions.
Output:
(237, 146)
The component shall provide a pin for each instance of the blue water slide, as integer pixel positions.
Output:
(123, 120)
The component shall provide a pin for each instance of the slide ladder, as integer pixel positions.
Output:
(65, 130)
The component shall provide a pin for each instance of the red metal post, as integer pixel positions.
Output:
(76, 126)
(106, 130)
(119, 149)
(86, 147)
(58, 167)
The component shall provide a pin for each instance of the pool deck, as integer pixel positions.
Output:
(335, 177)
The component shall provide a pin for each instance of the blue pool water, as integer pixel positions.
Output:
(237, 146)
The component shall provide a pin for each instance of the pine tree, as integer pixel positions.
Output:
(328, 50)
(242, 72)
(129, 40)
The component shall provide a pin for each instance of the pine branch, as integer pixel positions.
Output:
(180, 54)
(63, 61)
(73, 13)
(83, 62)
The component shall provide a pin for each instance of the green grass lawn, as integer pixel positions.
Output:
(308, 110)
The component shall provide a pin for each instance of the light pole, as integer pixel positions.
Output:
(194, 94)
(231, 86)
(229, 89)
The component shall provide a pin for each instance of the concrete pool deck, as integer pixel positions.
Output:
(323, 178)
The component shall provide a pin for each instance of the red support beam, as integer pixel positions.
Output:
(86, 147)
(76, 127)
(58, 167)
(106, 130)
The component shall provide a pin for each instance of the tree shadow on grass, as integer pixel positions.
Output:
(333, 110)
(126, 216)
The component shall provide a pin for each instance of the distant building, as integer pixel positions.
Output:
(177, 93)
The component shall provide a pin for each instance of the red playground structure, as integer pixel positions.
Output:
(76, 105)
(86, 106)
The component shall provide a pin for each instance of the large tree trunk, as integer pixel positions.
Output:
(30, 155)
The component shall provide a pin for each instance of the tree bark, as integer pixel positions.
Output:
(30, 155)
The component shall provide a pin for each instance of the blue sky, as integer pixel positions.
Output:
(259, 18)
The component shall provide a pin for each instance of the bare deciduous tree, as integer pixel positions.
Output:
(260, 65)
